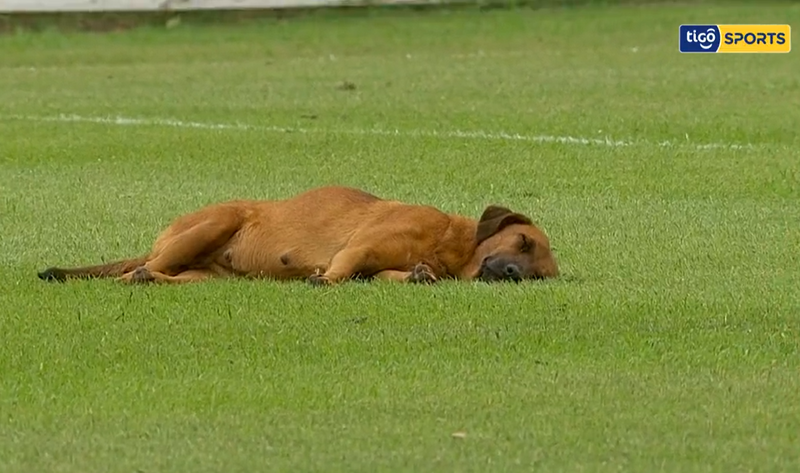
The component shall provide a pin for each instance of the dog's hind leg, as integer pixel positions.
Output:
(142, 275)
(180, 250)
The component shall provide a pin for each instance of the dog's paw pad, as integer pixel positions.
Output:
(422, 273)
(318, 280)
(142, 275)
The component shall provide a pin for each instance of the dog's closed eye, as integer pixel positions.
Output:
(526, 244)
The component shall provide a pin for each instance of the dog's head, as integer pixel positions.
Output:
(511, 247)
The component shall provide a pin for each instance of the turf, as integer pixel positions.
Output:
(669, 344)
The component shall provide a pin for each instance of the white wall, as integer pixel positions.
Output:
(7, 6)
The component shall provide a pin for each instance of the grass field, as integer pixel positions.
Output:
(669, 185)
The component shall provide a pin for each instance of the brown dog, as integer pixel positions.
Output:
(332, 234)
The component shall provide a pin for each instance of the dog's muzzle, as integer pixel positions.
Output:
(499, 269)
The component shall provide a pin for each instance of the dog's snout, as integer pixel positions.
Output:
(497, 268)
(512, 271)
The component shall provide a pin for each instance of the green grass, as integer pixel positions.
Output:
(670, 344)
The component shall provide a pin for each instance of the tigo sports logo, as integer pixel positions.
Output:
(735, 39)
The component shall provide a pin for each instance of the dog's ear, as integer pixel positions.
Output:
(495, 218)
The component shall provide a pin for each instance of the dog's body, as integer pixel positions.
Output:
(331, 234)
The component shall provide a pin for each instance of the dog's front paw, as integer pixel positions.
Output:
(422, 273)
(318, 280)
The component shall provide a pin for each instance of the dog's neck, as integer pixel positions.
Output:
(451, 250)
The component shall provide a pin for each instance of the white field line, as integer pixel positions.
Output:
(452, 134)
(319, 58)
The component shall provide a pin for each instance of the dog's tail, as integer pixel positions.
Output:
(109, 270)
